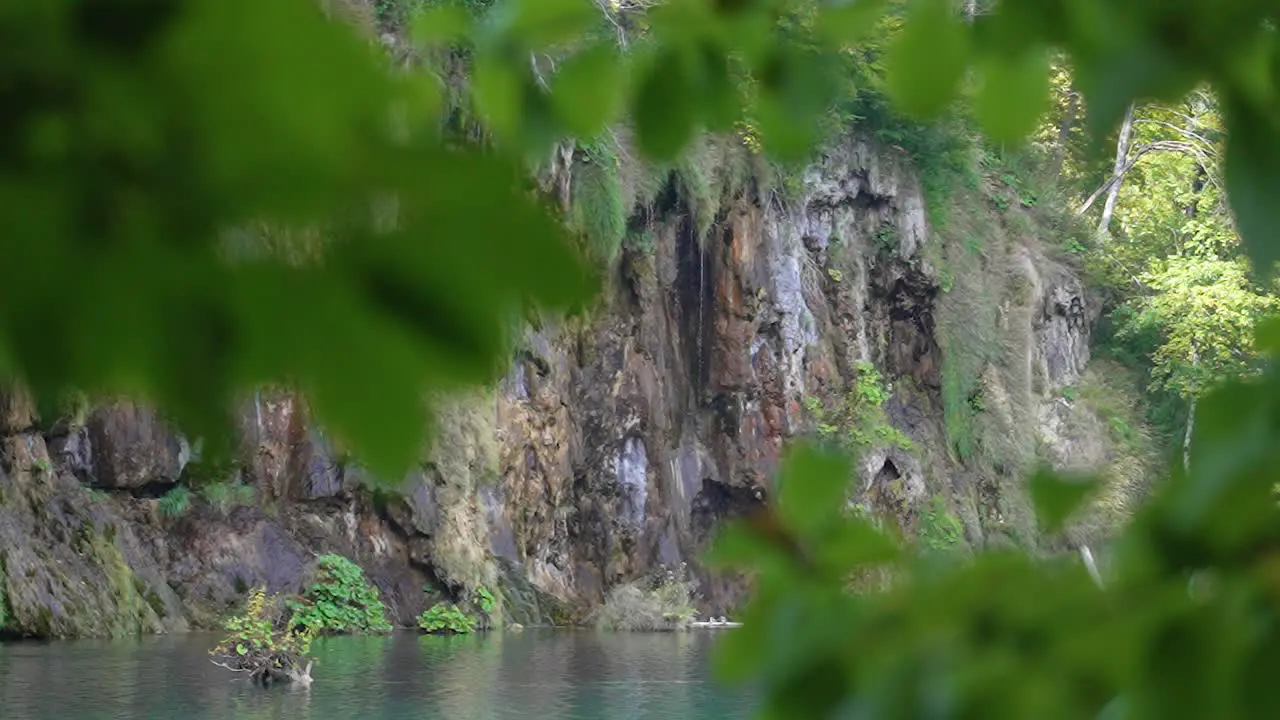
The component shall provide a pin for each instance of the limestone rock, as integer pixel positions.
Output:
(133, 447)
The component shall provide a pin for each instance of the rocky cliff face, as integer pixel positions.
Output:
(615, 445)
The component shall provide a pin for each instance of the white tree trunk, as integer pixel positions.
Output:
(1186, 438)
(1064, 131)
(1122, 159)
(1091, 566)
(1191, 416)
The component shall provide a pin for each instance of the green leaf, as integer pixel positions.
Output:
(665, 107)
(1267, 337)
(795, 85)
(852, 545)
(438, 24)
(539, 24)
(720, 102)
(737, 545)
(587, 91)
(926, 62)
(1150, 71)
(812, 488)
(1013, 94)
(1056, 497)
(499, 94)
(846, 24)
(1253, 182)
(241, 650)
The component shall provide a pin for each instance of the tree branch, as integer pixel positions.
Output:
(1138, 152)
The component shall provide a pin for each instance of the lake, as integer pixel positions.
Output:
(535, 674)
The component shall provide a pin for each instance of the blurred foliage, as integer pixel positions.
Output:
(150, 153)
(204, 195)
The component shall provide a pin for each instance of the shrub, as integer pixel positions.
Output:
(174, 503)
(859, 421)
(446, 618)
(939, 530)
(262, 645)
(339, 601)
(224, 496)
(666, 604)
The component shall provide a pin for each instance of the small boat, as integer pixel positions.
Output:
(720, 622)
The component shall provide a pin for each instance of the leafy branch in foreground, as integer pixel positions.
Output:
(1005, 635)
(140, 171)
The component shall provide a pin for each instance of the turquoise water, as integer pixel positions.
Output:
(565, 675)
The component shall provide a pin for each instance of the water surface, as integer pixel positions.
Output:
(533, 675)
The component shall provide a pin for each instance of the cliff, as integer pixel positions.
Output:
(741, 311)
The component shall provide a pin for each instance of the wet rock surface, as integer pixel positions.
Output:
(613, 447)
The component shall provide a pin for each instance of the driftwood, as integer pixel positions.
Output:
(268, 675)
(263, 646)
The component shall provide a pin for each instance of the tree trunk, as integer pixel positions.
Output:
(1122, 159)
(1186, 438)
(1191, 415)
(1091, 566)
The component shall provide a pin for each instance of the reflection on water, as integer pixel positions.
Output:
(534, 674)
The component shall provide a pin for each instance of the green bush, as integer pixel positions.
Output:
(339, 601)
(859, 421)
(446, 618)
(174, 503)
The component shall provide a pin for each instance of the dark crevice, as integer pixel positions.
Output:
(694, 294)
(905, 297)
(716, 502)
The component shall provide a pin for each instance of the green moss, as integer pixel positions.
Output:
(175, 502)
(938, 529)
(6, 613)
(225, 496)
(694, 181)
(597, 211)
(131, 611)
